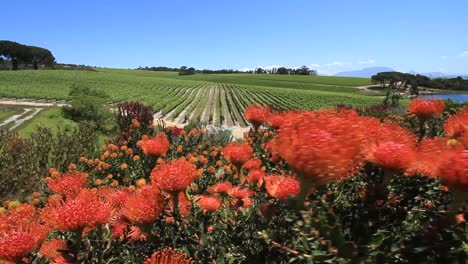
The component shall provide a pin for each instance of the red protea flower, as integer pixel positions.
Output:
(86, 210)
(143, 207)
(240, 193)
(282, 188)
(252, 164)
(427, 157)
(209, 203)
(255, 176)
(20, 232)
(237, 153)
(169, 256)
(51, 249)
(389, 145)
(456, 126)
(156, 146)
(68, 184)
(425, 109)
(393, 156)
(275, 120)
(256, 115)
(453, 169)
(320, 146)
(222, 187)
(175, 176)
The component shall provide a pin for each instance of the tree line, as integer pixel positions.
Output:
(16, 54)
(184, 70)
(398, 80)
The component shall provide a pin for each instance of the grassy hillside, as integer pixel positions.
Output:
(218, 99)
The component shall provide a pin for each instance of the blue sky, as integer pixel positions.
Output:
(326, 35)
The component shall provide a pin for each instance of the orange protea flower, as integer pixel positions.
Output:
(156, 146)
(320, 146)
(453, 169)
(389, 145)
(282, 188)
(393, 156)
(425, 109)
(222, 187)
(20, 232)
(256, 115)
(51, 249)
(252, 164)
(169, 256)
(255, 176)
(144, 206)
(209, 203)
(68, 184)
(240, 193)
(275, 120)
(237, 153)
(86, 210)
(174, 176)
(456, 126)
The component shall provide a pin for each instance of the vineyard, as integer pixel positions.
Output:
(217, 99)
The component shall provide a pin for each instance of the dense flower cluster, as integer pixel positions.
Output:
(190, 197)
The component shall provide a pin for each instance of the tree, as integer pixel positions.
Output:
(259, 71)
(282, 70)
(19, 53)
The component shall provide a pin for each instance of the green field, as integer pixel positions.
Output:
(218, 99)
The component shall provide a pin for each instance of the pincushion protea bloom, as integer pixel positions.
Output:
(86, 210)
(275, 120)
(143, 207)
(256, 115)
(456, 126)
(222, 187)
(389, 145)
(156, 146)
(320, 146)
(453, 169)
(68, 184)
(20, 232)
(174, 176)
(169, 256)
(255, 177)
(282, 187)
(425, 109)
(51, 249)
(252, 164)
(208, 203)
(237, 153)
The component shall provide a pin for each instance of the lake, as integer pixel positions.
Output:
(461, 98)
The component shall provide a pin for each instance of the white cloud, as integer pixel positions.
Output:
(443, 57)
(315, 65)
(464, 54)
(339, 64)
(367, 62)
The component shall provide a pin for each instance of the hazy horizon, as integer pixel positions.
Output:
(329, 37)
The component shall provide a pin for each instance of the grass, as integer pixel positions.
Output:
(6, 111)
(50, 117)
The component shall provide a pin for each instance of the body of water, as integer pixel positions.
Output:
(460, 98)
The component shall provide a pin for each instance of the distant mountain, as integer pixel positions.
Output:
(434, 75)
(364, 73)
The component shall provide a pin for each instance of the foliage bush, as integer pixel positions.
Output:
(277, 196)
(25, 161)
(90, 105)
